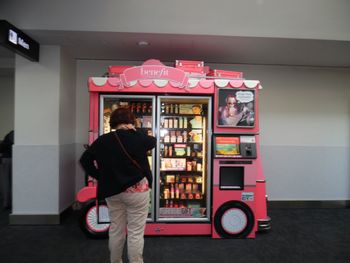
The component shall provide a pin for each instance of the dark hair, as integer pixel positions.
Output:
(121, 116)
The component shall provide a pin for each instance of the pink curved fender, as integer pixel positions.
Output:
(86, 194)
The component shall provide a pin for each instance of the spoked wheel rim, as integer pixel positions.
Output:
(91, 219)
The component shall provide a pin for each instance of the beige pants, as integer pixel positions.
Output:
(127, 211)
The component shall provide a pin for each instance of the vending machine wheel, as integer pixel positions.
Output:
(88, 220)
(234, 219)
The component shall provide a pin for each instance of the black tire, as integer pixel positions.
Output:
(88, 221)
(234, 219)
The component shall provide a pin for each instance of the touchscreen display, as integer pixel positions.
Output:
(226, 146)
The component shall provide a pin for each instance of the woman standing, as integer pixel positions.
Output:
(118, 160)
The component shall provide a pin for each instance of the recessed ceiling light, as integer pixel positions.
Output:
(143, 43)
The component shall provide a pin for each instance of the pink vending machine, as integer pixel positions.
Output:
(205, 183)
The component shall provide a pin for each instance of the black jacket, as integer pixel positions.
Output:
(6, 145)
(115, 172)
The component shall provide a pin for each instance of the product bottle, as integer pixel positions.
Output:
(188, 151)
(189, 166)
(177, 191)
(166, 193)
(176, 110)
(194, 165)
(144, 107)
(167, 138)
(132, 107)
(165, 151)
(176, 123)
(185, 122)
(138, 108)
(167, 109)
(181, 122)
(179, 137)
(185, 136)
(162, 165)
(172, 191)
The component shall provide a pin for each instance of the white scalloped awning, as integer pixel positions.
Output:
(192, 83)
(223, 83)
(99, 81)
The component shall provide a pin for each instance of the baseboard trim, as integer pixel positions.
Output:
(309, 204)
(16, 219)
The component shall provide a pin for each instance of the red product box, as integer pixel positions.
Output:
(117, 70)
(192, 66)
(189, 63)
(226, 74)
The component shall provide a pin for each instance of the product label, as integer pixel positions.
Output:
(192, 212)
(247, 196)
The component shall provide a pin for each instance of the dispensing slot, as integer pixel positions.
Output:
(231, 178)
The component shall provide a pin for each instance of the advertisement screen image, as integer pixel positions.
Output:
(236, 108)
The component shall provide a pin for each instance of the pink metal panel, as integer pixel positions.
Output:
(250, 171)
(261, 202)
(178, 229)
(93, 123)
(86, 194)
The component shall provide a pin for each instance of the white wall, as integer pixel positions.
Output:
(305, 131)
(311, 19)
(304, 127)
(44, 150)
(67, 129)
(6, 105)
(36, 98)
(36, 151)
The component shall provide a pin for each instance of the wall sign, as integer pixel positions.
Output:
(17, 41)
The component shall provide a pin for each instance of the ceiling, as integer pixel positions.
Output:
(210, 49)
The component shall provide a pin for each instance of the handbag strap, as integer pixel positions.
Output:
(126, 153)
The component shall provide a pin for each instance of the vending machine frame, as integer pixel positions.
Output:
(153, 79)
(193, 100)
